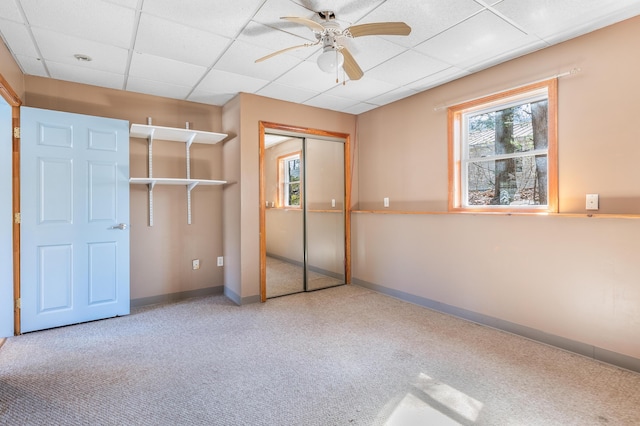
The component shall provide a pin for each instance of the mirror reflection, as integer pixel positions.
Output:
(304, 216)
(284, 224)
(324, 186)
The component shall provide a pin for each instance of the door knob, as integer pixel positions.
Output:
(121, 226)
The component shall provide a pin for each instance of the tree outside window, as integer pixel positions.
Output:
(289, 182)
(503, 151)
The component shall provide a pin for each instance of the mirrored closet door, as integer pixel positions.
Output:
(304, 213)
(284, 221)
(324, 213)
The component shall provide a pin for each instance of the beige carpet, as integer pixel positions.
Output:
(342, 356)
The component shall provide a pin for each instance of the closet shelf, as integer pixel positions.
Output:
(175, 134)
(172, 134)
(172, 181)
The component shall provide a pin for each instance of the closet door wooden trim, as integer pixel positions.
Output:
(11, 97)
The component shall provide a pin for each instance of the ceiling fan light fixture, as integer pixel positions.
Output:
(330, 60)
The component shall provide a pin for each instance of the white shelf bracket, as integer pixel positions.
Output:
(191, 185)
(151, 185)
(150, 175)
(150, 156)
(188, 154)
(189, 188)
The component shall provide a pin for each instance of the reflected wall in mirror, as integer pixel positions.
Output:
(284, 224)
(324, 203)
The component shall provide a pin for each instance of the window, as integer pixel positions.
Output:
(289, 180)
(502, 151)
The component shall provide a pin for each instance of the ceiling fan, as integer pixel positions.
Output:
(331, 36)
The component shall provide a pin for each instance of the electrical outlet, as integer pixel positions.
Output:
(195, 264)
(333, 202)
(592, 202)
(220, 261)
(386, 201)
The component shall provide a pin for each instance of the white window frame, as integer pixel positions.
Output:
(459, 147)
(284, 184)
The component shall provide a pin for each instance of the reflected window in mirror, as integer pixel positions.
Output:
(289, 181)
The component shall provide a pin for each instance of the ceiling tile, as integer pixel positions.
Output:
(426, 18)
(206, 14)
(331, 102)
(31, 66)
(60, 48)
(217, 81)
(9, 11)
(372, 51)
(286, 93)
(18, 38)
(95, 20)
(392, 96)
(504, 51)
(163, 70)
(272, 11)
(131, 4)
(547, 19)
(361, 90)
(307, 75)
(274, 39)
(240, 58)
(433, 80)
(406, 68)
(141, 85)
(476, 36)
(85, 75)
(175, 41)
(346, 12)
(204, 97)
(360, 108)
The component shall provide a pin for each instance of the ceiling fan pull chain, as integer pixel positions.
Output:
(337, 68)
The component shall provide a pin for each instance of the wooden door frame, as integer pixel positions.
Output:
(14, 101)
(303, 132)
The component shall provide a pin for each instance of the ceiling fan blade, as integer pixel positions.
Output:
(313, 25)
(350, 65)
(380, 28)
(271, 55)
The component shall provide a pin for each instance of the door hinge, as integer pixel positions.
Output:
(17, 218)
(18, 303)
(16, 132)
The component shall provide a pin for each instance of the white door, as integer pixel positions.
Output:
(74, 204)
(6, 222)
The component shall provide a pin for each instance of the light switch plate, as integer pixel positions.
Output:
(592, 202)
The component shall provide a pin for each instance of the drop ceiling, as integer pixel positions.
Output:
(205, 50)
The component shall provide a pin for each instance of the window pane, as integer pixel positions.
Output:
(293, 170)
(520, 128)
(294, 194)
(513, 181)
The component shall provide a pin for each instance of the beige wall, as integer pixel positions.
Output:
(244, 277)
(160, 255)
(231, 200)
(573, 277)
(10, 71)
